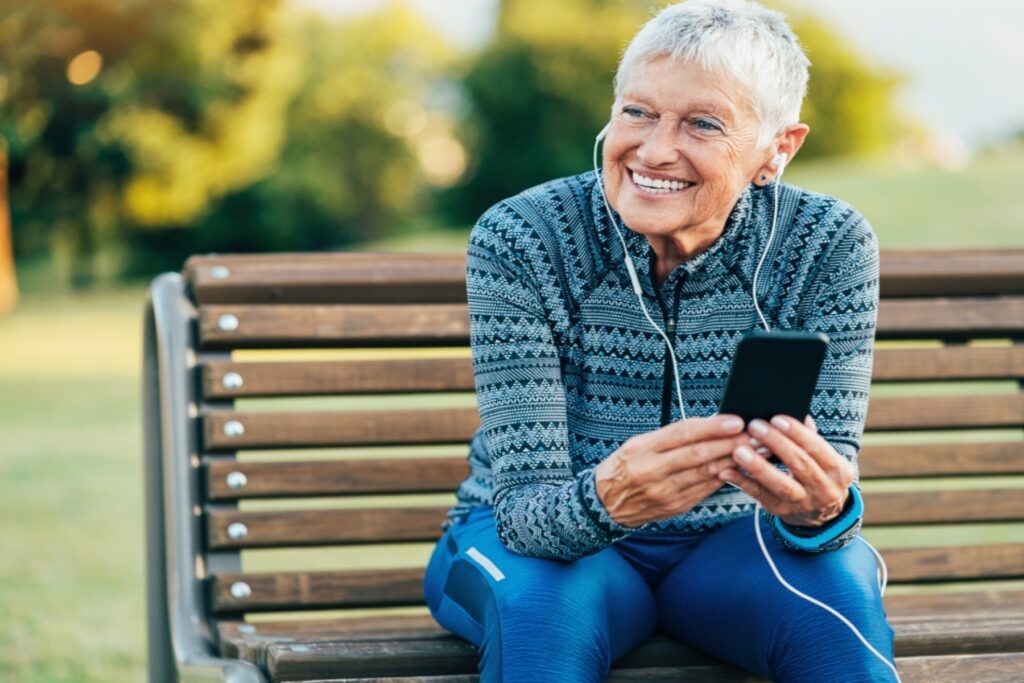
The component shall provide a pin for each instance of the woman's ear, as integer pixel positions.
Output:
(789, 143)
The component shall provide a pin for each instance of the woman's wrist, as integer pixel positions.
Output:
(819, 518)
(814, 539)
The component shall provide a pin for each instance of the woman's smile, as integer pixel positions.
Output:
(655, 186)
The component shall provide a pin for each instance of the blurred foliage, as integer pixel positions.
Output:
(850, 104)
(540, 92)
(167, 124)
(140, 131)
(209, 127)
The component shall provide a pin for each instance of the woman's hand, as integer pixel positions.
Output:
(818, 485)
(666, 472)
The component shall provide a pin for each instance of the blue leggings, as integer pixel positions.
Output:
(537, 620)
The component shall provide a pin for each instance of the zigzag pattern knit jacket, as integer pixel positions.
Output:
(567, 367)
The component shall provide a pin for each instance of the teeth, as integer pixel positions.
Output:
(659, 186)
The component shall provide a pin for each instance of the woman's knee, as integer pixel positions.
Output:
(813, 641)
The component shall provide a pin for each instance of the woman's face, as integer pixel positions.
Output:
(680, 149)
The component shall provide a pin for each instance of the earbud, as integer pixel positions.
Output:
(779, 162)
(604, 131)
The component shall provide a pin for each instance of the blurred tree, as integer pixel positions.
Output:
(370, 134)
(539, 93)
(8, 276)
(131, 115)
(850, 104)
(152, 129)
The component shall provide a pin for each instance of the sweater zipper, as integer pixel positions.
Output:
(668, 389)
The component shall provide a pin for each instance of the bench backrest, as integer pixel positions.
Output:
(331, 402)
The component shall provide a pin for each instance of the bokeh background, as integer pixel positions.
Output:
(136, 132)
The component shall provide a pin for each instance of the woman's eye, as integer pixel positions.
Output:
(634, 112)
(708, 124)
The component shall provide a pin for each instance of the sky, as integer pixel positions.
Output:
(964, 62)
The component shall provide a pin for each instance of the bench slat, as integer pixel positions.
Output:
(325, 527)
(302, 325)
(308, 325)
(949, 363)
(367, 427)
(937, 507)
(337, 477)
(990, 621)
(442, 474)
(941, 459)
(367, 277)
(316, 660)
(312, 378)
(1000, 561)
(326, 589)
(938, 272)
(946, 412)
(951, 318)
(339, 377)
(659, 659)
(328, 278)
(902, 609)
(423, 523)
(988, 668)
(403, 587)
(457, 425)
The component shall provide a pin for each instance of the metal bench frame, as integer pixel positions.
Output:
(181, 646)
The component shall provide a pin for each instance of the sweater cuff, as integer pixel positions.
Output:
(833, 535)
(598, 513)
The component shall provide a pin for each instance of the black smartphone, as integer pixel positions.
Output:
(774, 373)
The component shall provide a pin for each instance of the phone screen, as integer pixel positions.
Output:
(774, 373)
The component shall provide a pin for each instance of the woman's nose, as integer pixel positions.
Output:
(660, 145)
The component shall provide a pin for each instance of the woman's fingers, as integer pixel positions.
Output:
(690, 430)
(805, 468)
(835, 467)
(770, 478)
(693, 456)
(751, 487)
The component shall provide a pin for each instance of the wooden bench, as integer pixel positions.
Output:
(307, 419)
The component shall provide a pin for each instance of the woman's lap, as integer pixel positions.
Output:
(724, 599)
(538, 619)
(562, 621)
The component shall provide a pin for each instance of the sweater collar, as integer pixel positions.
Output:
(735, 251)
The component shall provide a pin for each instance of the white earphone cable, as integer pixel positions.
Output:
(764, 254)
(813, 600)
(636, 283)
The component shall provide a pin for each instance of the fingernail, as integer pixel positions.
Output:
(726, 475)
(732, 424)
(755, 443)
(744, 455)
(780, 422)
(758, 427)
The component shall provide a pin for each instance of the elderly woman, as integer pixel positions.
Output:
(597, 511)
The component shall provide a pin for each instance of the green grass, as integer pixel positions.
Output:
(980, 205)
(977, 206)
(71, 564)
(72, 603)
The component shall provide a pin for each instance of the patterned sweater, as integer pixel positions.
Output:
(567, 367)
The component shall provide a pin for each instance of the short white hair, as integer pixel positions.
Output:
(741, 38)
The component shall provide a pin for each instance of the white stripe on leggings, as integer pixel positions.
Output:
(486, 563)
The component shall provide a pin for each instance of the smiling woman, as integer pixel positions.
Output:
(595, 510)
(683, 144)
